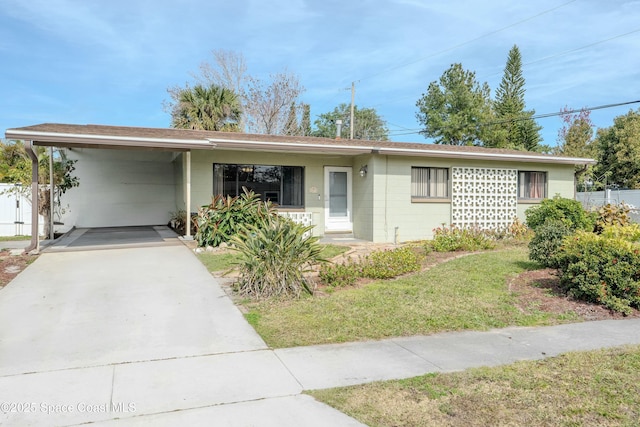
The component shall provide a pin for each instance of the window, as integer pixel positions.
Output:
(430, 183)
(282, 185)
(532, 185)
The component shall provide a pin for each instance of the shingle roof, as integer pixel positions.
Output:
(182, 139)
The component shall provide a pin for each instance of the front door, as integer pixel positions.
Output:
(337, 199)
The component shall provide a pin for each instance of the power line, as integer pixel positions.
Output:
(566, 52)
(534, 117)
(467, 42)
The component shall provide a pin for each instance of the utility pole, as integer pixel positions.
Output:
(351, 122)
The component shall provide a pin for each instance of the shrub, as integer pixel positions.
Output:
(545, 243)
(601, 270)
(449, 239)
(568, 211)
(518, 229)
(274, 255)
(224, 217)
(630, 233)
(377, 265)
(610, 215)
(389, 263)
(339, 275)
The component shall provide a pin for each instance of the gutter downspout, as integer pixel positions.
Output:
(34, 245)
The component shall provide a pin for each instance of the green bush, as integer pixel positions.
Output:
(224, 217)
(449, 239)
(630, 233)
(601, 270)
(545, 244)
(568, 211)
(389, 263)
(339, 275)
(274, 255)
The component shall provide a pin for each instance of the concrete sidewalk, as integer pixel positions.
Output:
(146, 336)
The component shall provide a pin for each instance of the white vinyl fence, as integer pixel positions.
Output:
(15, 213)
(596, 199)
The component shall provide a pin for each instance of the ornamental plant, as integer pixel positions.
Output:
(275, 254)
(453, 238)
(225, 216)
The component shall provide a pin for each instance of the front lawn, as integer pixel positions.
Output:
(595, 388)
(470, 292)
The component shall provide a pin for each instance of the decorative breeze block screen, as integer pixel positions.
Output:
(304, 218)
(483, 197)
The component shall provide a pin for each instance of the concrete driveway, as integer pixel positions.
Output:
(136, 331)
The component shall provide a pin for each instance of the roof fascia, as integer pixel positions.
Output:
(107, 141)
(486, 156)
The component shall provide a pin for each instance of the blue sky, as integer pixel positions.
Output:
(110, 62)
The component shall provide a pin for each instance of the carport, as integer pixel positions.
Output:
(110, 138)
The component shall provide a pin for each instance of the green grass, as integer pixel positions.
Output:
(329, 251)
(218, 261)
(595, 388)
(466, 293)
(13, 238)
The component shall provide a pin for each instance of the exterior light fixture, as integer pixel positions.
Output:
(363, 171)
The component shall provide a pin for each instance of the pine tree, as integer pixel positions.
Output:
(516, 126)
(305, 122)
(291, 126)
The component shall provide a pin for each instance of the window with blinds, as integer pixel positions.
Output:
(429, 183)
(532, 185)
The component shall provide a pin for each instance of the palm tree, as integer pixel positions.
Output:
(206, 108)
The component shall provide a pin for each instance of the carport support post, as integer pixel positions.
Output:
(188, 191)
(51, 190)
(34, 198)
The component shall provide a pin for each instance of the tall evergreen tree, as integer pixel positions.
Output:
(305, 121)
(291, 125)
(516, 127)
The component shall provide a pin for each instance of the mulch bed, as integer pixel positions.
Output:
(11, 265)
(541, 289)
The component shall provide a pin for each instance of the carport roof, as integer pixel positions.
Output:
(120, 137)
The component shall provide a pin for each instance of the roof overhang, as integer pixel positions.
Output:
(122, 138)
(524, 157)
(289, 147)
(71, 140)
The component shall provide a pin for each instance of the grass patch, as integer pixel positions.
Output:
(465, 293)
(595, 388)
(329, 251)
(218, 261)
(13, 238)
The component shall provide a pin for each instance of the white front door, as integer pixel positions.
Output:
(337, 199)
